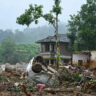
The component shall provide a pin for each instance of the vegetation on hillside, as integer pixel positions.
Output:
(11, 52)
(31, 35)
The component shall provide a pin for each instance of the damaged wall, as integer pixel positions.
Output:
(93, 59)
(80, 57)
(88, 60)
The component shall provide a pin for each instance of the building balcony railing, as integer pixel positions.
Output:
(53, 54)
(47, 52)
(50, 54)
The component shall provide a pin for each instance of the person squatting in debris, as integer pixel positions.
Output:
(39, 71)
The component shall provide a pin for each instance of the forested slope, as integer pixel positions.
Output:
(29, 35)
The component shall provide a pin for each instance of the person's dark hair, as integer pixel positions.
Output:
(37, 68)
(39, 59)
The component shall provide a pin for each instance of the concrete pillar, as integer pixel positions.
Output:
(41, 48)
(50, 47)
(49, 62)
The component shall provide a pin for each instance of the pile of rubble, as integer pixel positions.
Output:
(81, 78)
(38, 79)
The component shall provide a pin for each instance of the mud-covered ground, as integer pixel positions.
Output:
(10, 77)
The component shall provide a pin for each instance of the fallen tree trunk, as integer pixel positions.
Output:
(51, 90)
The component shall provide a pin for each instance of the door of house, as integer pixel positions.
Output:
(80, 62)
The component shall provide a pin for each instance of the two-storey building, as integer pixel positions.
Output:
(48, 49)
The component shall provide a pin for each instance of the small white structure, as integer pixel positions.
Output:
(85, 58)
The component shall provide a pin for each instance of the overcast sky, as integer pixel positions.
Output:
(11, 9)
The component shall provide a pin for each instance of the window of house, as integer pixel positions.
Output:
(47, 61)
(52, 47)
(66, 46)
(80, 62)
(47, 48)
(42, 48)
(66, 60)
(52, 61)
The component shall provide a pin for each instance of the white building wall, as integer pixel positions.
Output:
(82, 57)
(93, 56)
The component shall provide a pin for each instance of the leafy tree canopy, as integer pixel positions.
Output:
(31, 15)
(35, 12)
(11, 52)
(82, 27)
(8, 50)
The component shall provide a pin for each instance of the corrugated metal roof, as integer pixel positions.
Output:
(61, 38)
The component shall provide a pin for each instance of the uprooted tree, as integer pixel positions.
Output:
(35, 12)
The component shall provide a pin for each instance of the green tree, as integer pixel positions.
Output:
(31, 15)
(35, 12)
(82, 27)
(52, 18)
(27, 51)
(8, 53)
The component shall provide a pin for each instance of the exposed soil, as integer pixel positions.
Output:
(10, 77)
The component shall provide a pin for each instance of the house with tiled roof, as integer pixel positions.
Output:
(48, 49)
